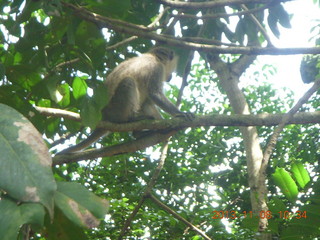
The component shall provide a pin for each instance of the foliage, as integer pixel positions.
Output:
(26, 177)
(50, 57)
(309, 68)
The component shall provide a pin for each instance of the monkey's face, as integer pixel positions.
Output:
(169, 78)
(171, 66)
(167, 58)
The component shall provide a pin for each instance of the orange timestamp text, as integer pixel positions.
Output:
(262, 214)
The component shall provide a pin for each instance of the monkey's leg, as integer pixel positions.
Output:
(94, 136)
(122, 108)
(124, 104)
(148, 111)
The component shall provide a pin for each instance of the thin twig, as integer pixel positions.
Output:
(285, 119)
(132, 38)
(142, 31)
(188, 66)
(222, 15)
(177, 216)
(147, 191)
(258, 24)
(55, 112)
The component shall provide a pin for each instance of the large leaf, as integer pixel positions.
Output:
(90, 113)
(25, 163)
(64, 90)
(285, 182)
(300, 174)
(278, 14)
(303, 224)
(79, 87)
(13, 217)
(80, 205)
(63, 229)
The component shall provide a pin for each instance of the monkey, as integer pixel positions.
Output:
(135, 90)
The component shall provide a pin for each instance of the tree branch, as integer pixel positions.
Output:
(132, 38)
(145, 32)
(177, 216)
(258, 24)
(222, 15)
(148, 189)
(263, 119)
(171, 126)
(55, 112)
(285, 119)
(212, 4)
(122, 148)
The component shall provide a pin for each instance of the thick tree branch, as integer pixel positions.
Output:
(229, 79)
(145, 32)
(263, 119)
(122, 148)
(171, 126)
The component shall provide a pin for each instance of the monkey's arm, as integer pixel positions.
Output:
(155, 93)
(163, 102)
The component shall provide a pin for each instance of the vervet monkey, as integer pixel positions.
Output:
(135, 87)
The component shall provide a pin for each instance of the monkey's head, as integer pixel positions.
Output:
(168, 58)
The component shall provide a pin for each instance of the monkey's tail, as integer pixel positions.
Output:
(94, 136)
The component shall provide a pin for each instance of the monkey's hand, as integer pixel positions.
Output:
(187, 115)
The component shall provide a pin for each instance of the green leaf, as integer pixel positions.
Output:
(63, 229)
(2, 71)
(284, 18)
(80, 205)
(90, 113)
(14, 216)
(300, 174)
(273, 24)
(276, 205)
(112, 7)
(25, 163)
(58, 29)
(23, 75)
(277, 14)
(44, 103)
(79, 87)
(285, 182)
(240, 31)
(27, 11)
(64, 90)
(51, 84)
(100, 96)
(251, 223)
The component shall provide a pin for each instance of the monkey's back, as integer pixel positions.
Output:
(142, 70)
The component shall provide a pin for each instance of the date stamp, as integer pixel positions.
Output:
(262, 214)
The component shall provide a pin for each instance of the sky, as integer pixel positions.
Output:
(288, 75)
